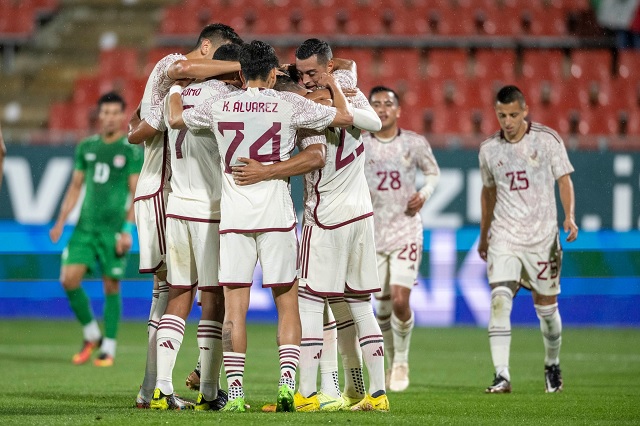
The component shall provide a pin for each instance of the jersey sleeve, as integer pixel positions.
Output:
(308, 114)
(200, 117)
(79, 162)
(485, 172)
(308, 137)
(155, 118)
(425, 159)
(360, 101)
(345, 78)
(560, 164)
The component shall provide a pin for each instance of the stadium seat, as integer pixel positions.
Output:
(17, 20)
(67, 116)
(176, 22)
(403, 64)
(86, 91)
(495, 64)
(367, 76)
(543, 64)
(629, 64)
(591, 64)
(447, 63)
(118, 62)
(598, 122)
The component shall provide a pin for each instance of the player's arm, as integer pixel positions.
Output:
(200, 68)
(175, 108)
(125, 240)
(320, 96)
(344, 115)
(345, 64)
(365, 118)
(141, 130)
(429, 166)
(567, 197)
(309, 159)
(69, 202)
(3, 153)
(488, 203)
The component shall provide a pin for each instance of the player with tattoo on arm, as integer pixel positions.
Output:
(520, 165)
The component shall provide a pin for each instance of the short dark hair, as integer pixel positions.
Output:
(218, 34)
(379, 89)
(227, 52)
(284, 83)
(509, 94)
(257, 59)
(112, 98)
(314, 46)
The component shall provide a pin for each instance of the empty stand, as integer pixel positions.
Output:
(591, 64)
(543, 64)
(495, 64)
(629, 64)
(447, 63)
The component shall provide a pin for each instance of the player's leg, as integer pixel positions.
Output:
(384, 309)
(504, 276)
(238, 257)
(311, 348)
(278, 258)
(329, 382)
(206, 247)
(543, 270)
(182, 278)
(76, 257)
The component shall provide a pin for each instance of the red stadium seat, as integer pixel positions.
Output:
(118, 63)
(495, 64)
(629, 64)
(67, 116)
(364, 62)
(447, 63)
(86, 91)
(543, 64)
(598, 122)
(175, 21)
(591, 64)
(403, 64)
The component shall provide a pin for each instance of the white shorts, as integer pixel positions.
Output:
(399, 267)
(193, 253)
(277, 253)
(536, 271)
(151, 221)
(335, 261)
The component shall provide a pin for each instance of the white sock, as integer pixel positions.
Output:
(158, 306)
(349, 348)
(329, 383)
(234, 367)
(371, 340)
(289, 358)
(551, 327)
(401, 338)
(169, 340)
(91, 332)
(311, 347)
(209, 333)
(500, 329)
(108, 346)
(384, 309)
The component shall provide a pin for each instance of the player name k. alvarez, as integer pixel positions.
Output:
(250, 106)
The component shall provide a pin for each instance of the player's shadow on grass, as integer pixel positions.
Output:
(47, 403)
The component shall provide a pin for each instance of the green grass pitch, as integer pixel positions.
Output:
(449, 370)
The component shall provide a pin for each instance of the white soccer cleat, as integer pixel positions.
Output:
(399, 379)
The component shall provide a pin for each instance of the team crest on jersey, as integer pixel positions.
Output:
(119, 161)
(90, 156)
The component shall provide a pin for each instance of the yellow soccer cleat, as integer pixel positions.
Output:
(369, 403)
(306, 404)
(349, 401)
(235, 405)
(329, 403)
(161, 401)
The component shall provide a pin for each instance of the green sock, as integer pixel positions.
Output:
(80, 305)
(112, 310)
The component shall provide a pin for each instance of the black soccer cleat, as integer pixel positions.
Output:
(552, 378)
(499, 385)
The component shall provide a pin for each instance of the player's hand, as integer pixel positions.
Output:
(252, 172)
(326, 80)
(483, 248)
(124, 243)
(570, 227)
(350, 93)
(55, 232)
(415, 203)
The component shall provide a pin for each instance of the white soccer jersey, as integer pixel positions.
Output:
(390, 169)
(195, 161)
(156, 168)
(524, 173)
(260, 124)
(338, 193)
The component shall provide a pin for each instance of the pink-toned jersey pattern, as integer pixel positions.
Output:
(391, 174)
(196, 178)
(260, 124)
(524, 174)
(156, 168)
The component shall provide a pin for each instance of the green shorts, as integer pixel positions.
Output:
(85, 248)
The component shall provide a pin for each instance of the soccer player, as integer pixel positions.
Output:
(193, 215)
(338, 232)
(519, 229)
(153, 188)
(258, 221)
(393, 157)
(108, 167)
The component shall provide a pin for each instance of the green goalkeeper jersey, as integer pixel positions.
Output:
(106, 167)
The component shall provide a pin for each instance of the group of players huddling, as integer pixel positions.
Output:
(219, 125)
